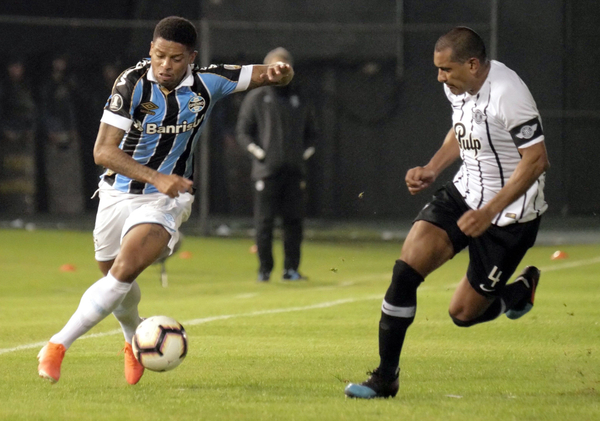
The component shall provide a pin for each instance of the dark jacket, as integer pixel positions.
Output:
(280, 122)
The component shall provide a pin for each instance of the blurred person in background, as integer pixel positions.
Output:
(18, 110)
(493, 206)
(92, 99)
(62, 150)
(276, 127)
(146, 141)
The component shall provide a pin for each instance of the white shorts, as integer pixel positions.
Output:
(118, 212)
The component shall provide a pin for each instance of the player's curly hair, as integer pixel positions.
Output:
(176, 29)
(465, 44)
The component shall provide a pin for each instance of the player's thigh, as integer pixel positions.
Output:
(426, 247)
(435, 237)
(140, 247)
(143, 243)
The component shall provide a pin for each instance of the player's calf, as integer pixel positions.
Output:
(492, 312)
(462, 323)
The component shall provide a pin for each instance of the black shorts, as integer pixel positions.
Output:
(493, 256)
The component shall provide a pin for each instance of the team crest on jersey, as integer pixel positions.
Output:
(478, 116)
(196, 104)
(148, 107)
(116, 103)
(527, 132)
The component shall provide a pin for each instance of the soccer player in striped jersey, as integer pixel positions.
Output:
(493, 205)
(146, 141)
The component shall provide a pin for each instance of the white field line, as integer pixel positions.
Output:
(570, 265)
(194, 322)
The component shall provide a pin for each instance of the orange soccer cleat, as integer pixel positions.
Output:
(50, 358)
(133, 369)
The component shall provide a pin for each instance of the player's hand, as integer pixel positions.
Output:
(172, 184)
(278, 74)
(473, 223)
(419, 178)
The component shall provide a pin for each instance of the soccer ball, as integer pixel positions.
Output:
(160, 343)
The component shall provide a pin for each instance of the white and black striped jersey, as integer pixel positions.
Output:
(490, 126)
(161, 130)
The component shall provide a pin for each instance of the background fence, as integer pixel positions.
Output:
(366, 66)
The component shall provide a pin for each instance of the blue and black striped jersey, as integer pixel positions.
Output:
(162, 128)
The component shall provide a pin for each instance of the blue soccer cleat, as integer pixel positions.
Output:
(376, 386)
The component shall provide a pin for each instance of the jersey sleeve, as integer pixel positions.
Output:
(125, 96)
(225, 79)
(520, 115)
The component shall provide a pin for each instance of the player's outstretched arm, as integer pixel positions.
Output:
(419, 178)
(278, 74)
(108, 154)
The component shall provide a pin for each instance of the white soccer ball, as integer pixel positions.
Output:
(160, 343)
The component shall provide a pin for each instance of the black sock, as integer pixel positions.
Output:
(392, 331)
(514, 293)
(398, 312)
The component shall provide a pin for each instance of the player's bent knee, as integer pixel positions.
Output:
(127, 270)
(461, 323)
(403, 289)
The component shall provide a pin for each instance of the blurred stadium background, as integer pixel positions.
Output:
(367, 65)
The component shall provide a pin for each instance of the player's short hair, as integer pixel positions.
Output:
(465, 44)
(280, 53)
(176, 29)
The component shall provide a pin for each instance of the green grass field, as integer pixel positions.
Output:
(282, 351)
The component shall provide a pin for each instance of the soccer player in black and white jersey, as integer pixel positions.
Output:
(493, 205)
(146, 140)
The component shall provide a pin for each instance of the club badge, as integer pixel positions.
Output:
(196, 104)
(478, 116)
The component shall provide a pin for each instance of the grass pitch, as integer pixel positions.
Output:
(284, 351)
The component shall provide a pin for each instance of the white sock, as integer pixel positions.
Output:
(96, 303)
(127, 312)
